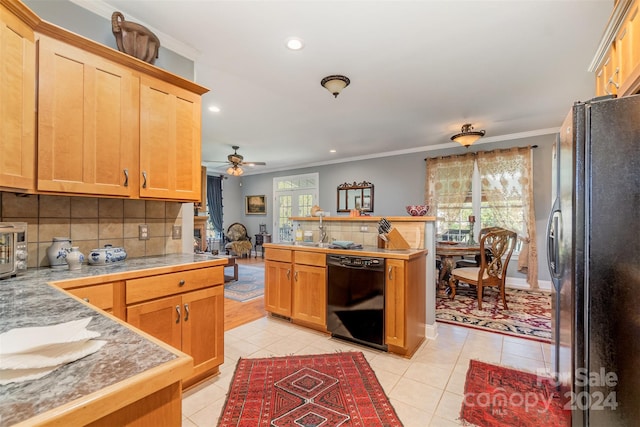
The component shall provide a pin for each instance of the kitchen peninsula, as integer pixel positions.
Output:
(296, 276)
(135, 378)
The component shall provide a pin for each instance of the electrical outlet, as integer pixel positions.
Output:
(364, 228)
(176, 232)
(143, 232)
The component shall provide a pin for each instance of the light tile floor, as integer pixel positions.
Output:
(426, 390)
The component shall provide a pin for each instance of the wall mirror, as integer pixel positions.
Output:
(355, 196)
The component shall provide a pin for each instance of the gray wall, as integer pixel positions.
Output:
(398, 181)
(81, 21)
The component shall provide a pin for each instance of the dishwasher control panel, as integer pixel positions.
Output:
(353, 261)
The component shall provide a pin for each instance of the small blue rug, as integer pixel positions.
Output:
(250, 284)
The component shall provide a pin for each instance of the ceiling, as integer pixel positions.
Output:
(419, 70)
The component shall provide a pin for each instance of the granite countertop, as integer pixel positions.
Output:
(27, 300)
(371, 251)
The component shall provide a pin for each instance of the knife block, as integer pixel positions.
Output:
(395, 240)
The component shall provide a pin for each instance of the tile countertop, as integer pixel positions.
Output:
(28, 300)
(370, 251)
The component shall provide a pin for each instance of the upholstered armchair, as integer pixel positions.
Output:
(237, 240)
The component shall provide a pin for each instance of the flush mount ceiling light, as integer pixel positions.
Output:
(335, 84)
(235, 170)
(467, 135)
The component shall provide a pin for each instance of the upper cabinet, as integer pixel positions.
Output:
(170, 144)
(108, 124)
(617, 62)
(87, 122)
(17, 101)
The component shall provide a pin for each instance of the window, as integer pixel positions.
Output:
(495, 187)
(293, 196)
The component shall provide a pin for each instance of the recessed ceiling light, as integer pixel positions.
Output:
(332, 151)
(214, 109)
(295, 43)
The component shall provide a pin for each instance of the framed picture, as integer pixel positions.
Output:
(255, 205)
(263, 228)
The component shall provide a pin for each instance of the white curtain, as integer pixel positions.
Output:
(448, 182)
(507, 186)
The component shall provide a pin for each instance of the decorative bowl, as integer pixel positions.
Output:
(107, 255)
(417, 210)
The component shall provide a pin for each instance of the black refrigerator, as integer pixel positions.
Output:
(593, 250)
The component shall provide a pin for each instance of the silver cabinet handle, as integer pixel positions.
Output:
(179, 315)
(390, 275)
(186, 312)
(144, 177)
(295, 276)
(288, 274)
(126, 177)
(85, 299)
(181, 283)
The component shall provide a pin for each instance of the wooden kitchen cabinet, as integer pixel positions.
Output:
(405, 312)
(395, 321)
(170, 145)
(277, 289)
(309, 289)
(192, 322)
(618, 66)
(87, 122)
(17, 102)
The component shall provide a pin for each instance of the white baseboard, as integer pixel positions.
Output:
(521, 283)
(431, 331)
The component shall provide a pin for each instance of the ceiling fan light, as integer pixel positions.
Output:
(335, 84)
(467, 135)
(235, 170)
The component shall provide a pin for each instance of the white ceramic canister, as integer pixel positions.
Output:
(57, 252)
(74, 258)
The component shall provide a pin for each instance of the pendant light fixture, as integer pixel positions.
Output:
(335, 84)
(467, 135)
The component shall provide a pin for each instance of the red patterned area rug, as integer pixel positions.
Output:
(495, 396)
(338, 389)
(529, 314)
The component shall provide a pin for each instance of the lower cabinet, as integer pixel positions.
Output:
(395, 322)
(309, 294)
(277, 290)
(105, 296)
(192, 322)
(405, 305)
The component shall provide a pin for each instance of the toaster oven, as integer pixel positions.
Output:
(13, 248)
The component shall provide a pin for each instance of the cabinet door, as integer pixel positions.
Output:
(161, 318)
(169, 141)
(395, 327)
(277, 289)
(87, 122)
(17, 103)
(310, 294)
(203, 328)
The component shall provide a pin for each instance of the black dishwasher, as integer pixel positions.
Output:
(355, 299)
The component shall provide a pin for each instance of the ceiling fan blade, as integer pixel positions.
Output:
(215, 161)
(253, 163)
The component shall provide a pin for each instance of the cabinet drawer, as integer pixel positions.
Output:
(152, 287)
(100, 296)
(283, 255)
(311, 258)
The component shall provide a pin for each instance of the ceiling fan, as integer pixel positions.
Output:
(235, 162)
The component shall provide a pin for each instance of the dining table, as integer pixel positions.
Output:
(448, 252)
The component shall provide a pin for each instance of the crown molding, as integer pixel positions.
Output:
(105, 10)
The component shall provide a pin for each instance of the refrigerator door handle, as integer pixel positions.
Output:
(554, 234)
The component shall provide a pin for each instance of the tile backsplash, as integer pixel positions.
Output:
(93, 222)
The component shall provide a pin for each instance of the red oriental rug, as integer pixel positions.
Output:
(337, 389)
(529, 314)
(495, 396)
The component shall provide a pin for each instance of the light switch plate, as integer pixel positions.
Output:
(176, 232)
(143, 232)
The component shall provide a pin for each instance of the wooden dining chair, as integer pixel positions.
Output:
(499, 243)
